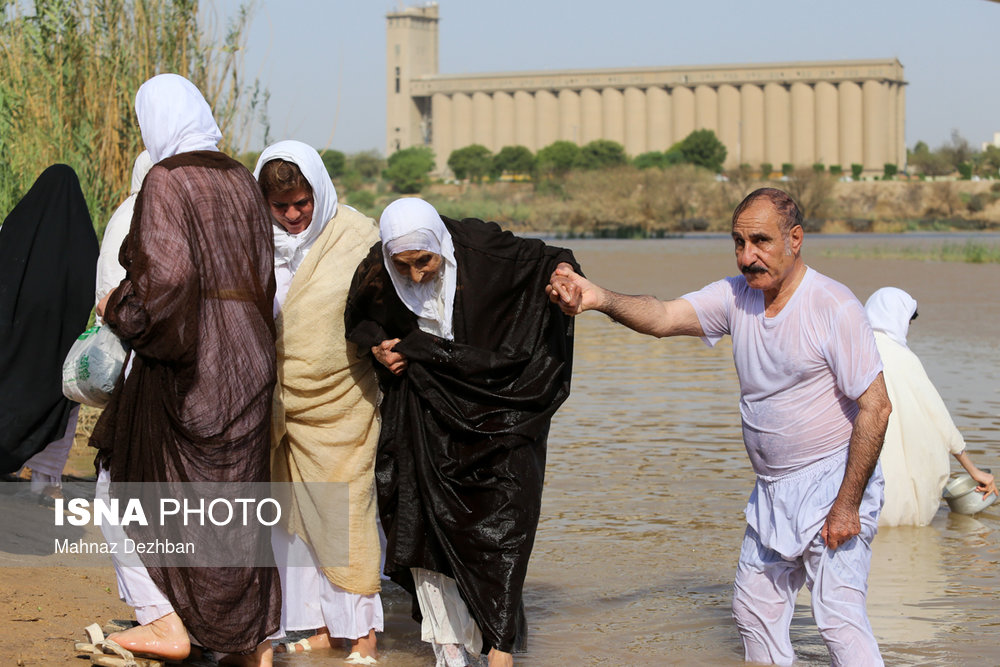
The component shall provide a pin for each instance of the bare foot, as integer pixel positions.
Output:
(319, 640)
(365, 646)
(166, 637)
(262, 657)
(500, 659)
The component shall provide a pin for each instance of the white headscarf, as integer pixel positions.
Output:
(413, 224)
(889, 310)
(174, 117)
(291, 249)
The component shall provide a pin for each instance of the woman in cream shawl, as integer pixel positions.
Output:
(921, 433)
(324, 422)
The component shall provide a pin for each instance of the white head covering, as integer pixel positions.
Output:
(291, 249)
(889, 310)
(174, 117)
(413, 224)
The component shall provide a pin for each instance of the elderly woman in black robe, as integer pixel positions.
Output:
(473, 361)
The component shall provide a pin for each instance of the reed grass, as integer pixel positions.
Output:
(69, 71)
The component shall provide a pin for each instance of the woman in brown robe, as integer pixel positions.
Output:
(195, 404)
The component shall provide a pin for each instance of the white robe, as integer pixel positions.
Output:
(920, 437)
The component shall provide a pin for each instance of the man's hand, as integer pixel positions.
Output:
(394, 361)
(570, 291)
(842, 523)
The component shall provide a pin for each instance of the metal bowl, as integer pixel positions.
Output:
(962, 497)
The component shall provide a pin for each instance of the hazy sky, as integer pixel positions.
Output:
(324, 60)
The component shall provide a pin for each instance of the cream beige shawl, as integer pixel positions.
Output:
(325, 423)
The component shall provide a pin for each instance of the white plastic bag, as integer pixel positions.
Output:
(92, 367)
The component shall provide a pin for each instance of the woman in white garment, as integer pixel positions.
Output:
(325, 428)
(109, 271)
(921, 433)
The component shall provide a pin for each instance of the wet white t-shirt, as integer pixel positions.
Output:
(800, 372)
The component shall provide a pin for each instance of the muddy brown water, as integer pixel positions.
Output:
(647, 478)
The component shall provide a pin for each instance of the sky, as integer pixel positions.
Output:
(323, 61)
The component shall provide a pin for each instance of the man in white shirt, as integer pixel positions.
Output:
(814, 410)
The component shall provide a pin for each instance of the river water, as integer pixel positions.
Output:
(647, 478)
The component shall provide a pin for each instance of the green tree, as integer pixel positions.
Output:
(472, 162)
(335, 162)
(408, 169)
(856, 170)
(557, 158)
(965, 170)
(889, 171)
(787, 168)
(513, 160)
(601, 153)
(766, 168)
(703, 149)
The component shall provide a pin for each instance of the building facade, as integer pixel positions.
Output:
(834, 113)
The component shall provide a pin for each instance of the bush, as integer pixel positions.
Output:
(965, 171)
(513, 160)
(703, 149)
(658, 159)
(766, 169)
(367, 164)
(889, 170)
(600, 154)
(363, 200)
(787, 168)
(409, 169)
(472, 162)
(856, 170)
(977, 202)
(836, 170)
(557, 158)
(819, 167)
(335, 162)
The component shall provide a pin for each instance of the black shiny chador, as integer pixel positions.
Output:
(461, 456)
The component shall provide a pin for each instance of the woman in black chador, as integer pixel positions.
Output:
(473, 362)
(48, 262)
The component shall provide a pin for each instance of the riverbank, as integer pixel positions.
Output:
(627, 202)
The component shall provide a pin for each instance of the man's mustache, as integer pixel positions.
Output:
(753, 268)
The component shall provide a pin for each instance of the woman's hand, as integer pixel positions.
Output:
(103, 304)
(987, 485)
(394, 361)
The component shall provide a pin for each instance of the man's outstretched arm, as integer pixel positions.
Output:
(646, 314)
(843, 522)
